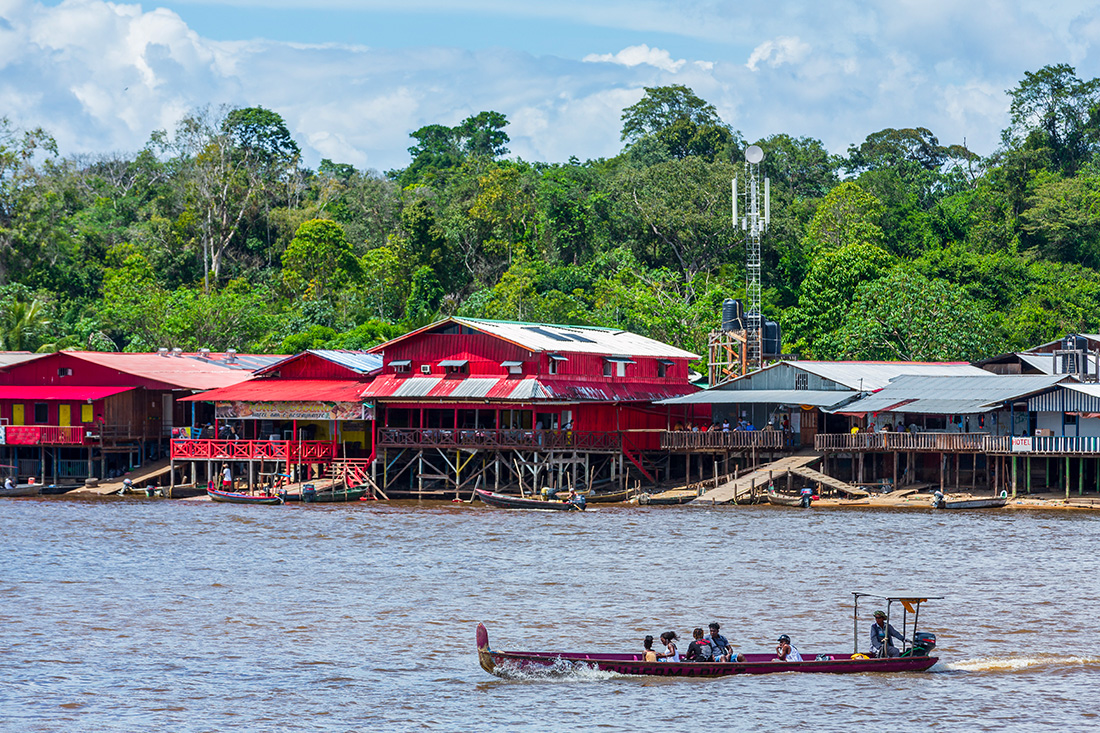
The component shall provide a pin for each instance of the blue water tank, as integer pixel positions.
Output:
(733, 315)
(773, 338)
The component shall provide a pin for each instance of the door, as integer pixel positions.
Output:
(64, 415)
(808, 427)
(166, 415)
(17, 414)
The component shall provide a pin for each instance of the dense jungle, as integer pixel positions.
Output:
(215, 234)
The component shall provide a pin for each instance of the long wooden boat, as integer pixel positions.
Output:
(989, 502)
(21, 490)
(518, 502)
(602, 497)
(670, 497)
(338, 495)
(510, 663)
(232, 497)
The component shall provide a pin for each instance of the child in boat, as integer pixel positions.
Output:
(700, 649)
(669, 640)
(785, 652)
(649, 655)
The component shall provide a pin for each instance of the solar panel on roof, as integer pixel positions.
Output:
(544, 332)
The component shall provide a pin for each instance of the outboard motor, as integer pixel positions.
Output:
(938, 502)
(923, 643)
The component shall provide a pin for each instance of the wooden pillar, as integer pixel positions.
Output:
(1080, 472)
(1027, 474)
(1014, 477)
(1067, 477)
(895, 470)
(943, 467)
(957, 476)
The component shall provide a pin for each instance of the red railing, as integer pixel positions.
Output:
(485, 438)
(43, 435)
(294, 451)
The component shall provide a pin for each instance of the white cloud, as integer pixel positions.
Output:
(637, 55)
(782, 50)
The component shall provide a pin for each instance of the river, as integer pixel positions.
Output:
(158, 615)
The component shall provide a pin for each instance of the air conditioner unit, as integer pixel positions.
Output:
(425, 368)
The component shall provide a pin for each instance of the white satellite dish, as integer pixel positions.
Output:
(754, 154)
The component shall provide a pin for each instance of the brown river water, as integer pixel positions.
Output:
(156, 615)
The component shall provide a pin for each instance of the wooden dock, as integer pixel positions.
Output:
(742, 488)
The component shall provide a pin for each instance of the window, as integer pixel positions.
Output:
(662, 367)
(619, 368)
(41, 412)
(516, 367)
(1071, 419)
(802, 381)
(607, 369)
(455, 366)
(555, 364)
(401, 366)
(64, 371)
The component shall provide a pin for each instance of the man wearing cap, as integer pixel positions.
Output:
(722, 650)
(882, 632)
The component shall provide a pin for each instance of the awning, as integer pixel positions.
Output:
(284, 390)
(813, 398)
(620, 359)
(558, 357)
(401, 362)
(454, 362)
(511, 363)
(71, 393)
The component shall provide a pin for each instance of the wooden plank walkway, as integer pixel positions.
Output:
(741, 488)
(827, 480)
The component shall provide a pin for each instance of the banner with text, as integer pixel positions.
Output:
(293, 411)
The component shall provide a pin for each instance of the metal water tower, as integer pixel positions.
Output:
(754, 222)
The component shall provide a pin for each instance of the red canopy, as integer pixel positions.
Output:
(69, 393)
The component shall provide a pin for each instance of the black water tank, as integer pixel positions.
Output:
(773, 338)
(733, 315)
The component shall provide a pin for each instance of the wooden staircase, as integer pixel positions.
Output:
(743, 487)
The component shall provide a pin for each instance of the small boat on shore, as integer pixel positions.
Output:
(774, 497)
(233, 497)
(504, 501)
(915, 657)
(939, 501)
(21, 490)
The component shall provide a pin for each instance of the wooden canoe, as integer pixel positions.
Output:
(989, 502)
(507, 664)
(338, 495)
(784, 499)
(504, 501)
(21, 490)
(232, 497)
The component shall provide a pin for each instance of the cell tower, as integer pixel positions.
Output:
(754, 223)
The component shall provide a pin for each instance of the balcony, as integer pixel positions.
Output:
(915, 442)
(718, 440)
(545, 440)
(41, 435)
(292, 451)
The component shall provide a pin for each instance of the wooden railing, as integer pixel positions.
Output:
(1051, 445)
(294, 451)
(717, 439)
(507, 439)
(902, 442)
(43, 435)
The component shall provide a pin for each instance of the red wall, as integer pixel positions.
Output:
(311, 366)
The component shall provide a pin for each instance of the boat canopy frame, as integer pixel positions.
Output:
(910, 603)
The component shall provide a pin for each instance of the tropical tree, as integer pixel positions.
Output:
(672, 121)
(319, 260)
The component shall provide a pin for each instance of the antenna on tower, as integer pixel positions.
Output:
(754, 223)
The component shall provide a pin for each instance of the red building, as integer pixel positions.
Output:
(73, 414)
(467, 402)
(301, 416)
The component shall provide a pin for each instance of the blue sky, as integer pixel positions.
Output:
(353, 78)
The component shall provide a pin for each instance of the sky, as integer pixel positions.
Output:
(352, 78)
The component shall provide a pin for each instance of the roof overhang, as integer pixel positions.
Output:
(813, 398)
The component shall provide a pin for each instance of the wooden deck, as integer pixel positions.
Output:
(721, 441)
(911, 442)
(740, 489)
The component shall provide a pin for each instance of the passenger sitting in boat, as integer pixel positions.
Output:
(882, 631)
(785, 652)
(575, 498)
(650, 655)
(669, 640)
(722, 649)
(700, 649)
(8, 483)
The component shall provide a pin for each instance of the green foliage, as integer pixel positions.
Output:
(903, 316)
(672, 122)
(319, 260)
(848, 215)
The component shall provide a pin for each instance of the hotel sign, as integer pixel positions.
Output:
(1021, 445)
(293, 411)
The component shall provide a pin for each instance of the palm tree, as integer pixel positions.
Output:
(22, 324)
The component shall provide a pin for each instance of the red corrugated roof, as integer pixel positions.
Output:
(284, 390)
(521, 390)
(75, 393)
(172, 371)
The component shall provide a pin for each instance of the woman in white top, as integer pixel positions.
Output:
(669, 640)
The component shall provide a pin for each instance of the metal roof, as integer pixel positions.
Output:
(182, 371)
(1070, 397)
(870, 376)
(817, 398)
(398, 387)
(358, 361)
(8, 358)
(541, 337)
(952, 395)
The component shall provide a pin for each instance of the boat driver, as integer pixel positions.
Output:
(882, 631)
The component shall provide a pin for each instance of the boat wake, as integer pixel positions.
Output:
(1017, 664)
(561, 670)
